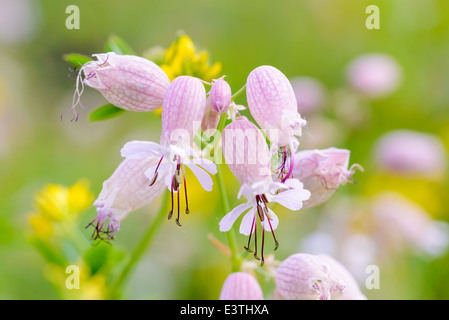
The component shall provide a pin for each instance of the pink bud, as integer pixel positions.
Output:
(246, 152)
(375, 75)
(220, 96)
(409, 152)
(129, 82)
(124, 192)
(307, 277)
(273, 105)
(322, 172)
(241, 286)
(183, 109)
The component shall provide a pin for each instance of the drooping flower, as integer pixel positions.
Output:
(272, 103)
(124, 192)
(241, 286)
(374, 75)
(411, 152)
(248, 157)
(129, 82)
(322, 172)
(307, 277)
(182, 112)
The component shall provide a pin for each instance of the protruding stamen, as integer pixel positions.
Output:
(177, 219)
(250, 234)
(172, 200)
(262, 261)
(155, 172)
(185, 188)
(276, 243)
(255, 242)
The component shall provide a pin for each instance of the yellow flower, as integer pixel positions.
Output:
(182, 58)
(56, 202)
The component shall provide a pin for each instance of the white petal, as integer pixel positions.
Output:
(292, 199)
(247, 222)
(229, 219)
(206, 164)
(141, 149)
(202, 176)
(270, 225)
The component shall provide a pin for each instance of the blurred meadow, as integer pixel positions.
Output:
(317, 39)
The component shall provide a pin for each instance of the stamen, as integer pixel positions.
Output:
(276, 243)
(255, 242)
(177, 219)
(171, 211)
(292, 163)
(155, 172)
(262, 261)
(185, 188)
(250, 234)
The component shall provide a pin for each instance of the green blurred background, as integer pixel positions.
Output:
(316, 38)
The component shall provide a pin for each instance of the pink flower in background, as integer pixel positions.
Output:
(124, 192)
(272, 103)
(374, 75)
(401, 223)
(322, 172)
(308, 277)
(241, 286)
(411, 152)
(182, 112)
(129, 82)
(241, 141)
(310, 94)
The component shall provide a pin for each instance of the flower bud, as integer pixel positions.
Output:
(129, 82)
(241, 286)
(272, 103)
(183, 110)
(307, 277)
(210, 121)
(246, 152)
(220, 96)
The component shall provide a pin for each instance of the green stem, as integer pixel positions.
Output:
(235, 95)
(142, 246)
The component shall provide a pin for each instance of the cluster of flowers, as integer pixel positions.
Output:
(296, 179)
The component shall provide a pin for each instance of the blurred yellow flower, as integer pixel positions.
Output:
(56, 202)
(182, 58)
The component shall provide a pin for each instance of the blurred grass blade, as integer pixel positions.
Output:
(105, 112)
(76, 59)
(118, 45)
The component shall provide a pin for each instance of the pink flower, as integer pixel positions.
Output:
(322, 172)
(128, 82)
(374, 75)
(273, 105)
(401, 223)
(248, 157)
(124, 192)
(241, 286)
(308, 277)
(182, 112)
(220, 96)
(310, 94)
(408, 152)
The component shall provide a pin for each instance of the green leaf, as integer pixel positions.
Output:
(76, 59)
(105, 112)
(118, 45)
